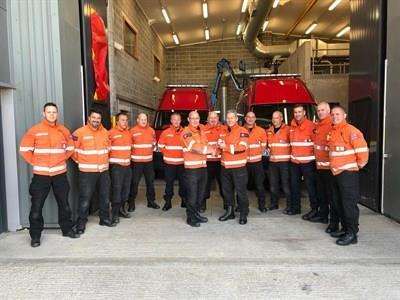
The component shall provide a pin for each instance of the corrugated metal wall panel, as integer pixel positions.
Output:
(367, 55)
(35, 47)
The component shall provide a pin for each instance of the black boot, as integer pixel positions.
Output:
(338, 233)
(131, 206)
(167, 205)
(312, 213)
(273, 207)
(193, 223)
(347, 239)
(200, 218)
(107, 222)
(203, 206)
(243, 219)
(229, 214)
(262, 209)
(71, 234)
(153, 204)
(35, 242)
(115, 219)
(332, 228)
(319, 219)
(123, 213)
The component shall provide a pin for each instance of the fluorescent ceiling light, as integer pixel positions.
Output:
(334, 4)
(165, 15)
(175, 38)
(265, 25)
(244, 5)
(275, 4)
(311, 28)
(343, 31)
(207, 34)
(205, 10)
(239, 29)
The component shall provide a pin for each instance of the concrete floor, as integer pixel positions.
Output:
(156, 255)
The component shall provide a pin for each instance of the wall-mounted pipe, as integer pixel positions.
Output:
(250, 36)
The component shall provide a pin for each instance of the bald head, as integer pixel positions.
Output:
(250, 119)
(277, 119)
(141, 120)
(194, 118)
(213, 118)
(323, 110)
(338, 115)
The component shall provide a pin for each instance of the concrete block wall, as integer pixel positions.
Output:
(197, 63)
(131, 80)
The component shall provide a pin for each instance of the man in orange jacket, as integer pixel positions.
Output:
(278, 143)
(302, 162)
(143, 143)
(323, 176)
(195, 150)
(213, 130)
(170, 146)
(47, 146)
(120, 166)
(257, 145)
(91, 154)
(234, 145)
(348, 153)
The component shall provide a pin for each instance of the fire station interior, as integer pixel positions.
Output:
(166, 56)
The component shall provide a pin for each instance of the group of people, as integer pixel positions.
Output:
(327, 154)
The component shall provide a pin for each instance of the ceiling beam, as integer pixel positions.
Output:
(309, 5)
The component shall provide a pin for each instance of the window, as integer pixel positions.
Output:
(130, 39)
(157, 69)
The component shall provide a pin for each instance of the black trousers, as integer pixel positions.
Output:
(345, 196)
(213, 173)
(235, 180)
(172, 173)
(138, 170)
(278, 175)
(121, 177)
(255, 172)
(39, 190)
(196, 180)
(88, 182)
(324, 181)
(306, 170)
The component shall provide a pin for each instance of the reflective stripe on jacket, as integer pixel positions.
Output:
(91, 148)
(257, 143)
(170, 145)
(120, 146)
(321, 148)
(47, 147)
(213, 133)
(194, 143)
(235, 153)
(348, 150)
(301, 141)
(143, 143)
(279, 143)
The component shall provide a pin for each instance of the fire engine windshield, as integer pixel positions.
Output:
(264, 113)
(162, 119)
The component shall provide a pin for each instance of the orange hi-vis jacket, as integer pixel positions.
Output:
(348, 150)
(257, 143)
(213, 133)
(121, 146)
(194, 143)
(170, 145)
(279, 143)
(235, 153)
(321, 148)
(143, 143)
(301, 141)
(91, 149)
(47, 147)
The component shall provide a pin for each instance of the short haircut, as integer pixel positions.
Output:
(122, 113)
(232, 111)
(298, 106)
(278, 112)
(339, 107)
(142, 113)
(193, 112)
(50, 104)
(95, 111)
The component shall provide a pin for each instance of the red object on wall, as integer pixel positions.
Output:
(99, 56)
